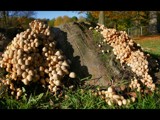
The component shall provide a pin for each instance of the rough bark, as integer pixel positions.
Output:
(77, 43)
(101, 18)
(153, 22)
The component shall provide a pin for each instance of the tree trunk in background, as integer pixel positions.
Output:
(4, 16)
(153, 22)
(101, 17)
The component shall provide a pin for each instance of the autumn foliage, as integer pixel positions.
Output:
(63, 19)
(121, 19)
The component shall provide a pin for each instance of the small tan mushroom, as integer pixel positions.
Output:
(57, 82)
(72, 75)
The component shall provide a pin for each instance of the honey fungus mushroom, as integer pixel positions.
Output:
(32, 57)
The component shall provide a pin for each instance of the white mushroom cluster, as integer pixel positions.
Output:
(32, 57)
(112, 98)
(135, 85)
(123, 48)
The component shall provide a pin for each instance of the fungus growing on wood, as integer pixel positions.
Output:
(129, 53)
(32, 57)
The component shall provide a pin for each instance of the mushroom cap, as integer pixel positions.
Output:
(72, 75)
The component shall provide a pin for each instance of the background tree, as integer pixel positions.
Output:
(66, 19)
(58, 21)
(13, 22)
(14, 18)
(153, 22)
(4, 18)
(101, 18)
(74, 19)
(121, 20)
(62, 20)
(51, 22)
(90, 18)
(81, 19)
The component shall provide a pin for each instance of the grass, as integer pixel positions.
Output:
(41, 101)
(151, 46)
(148, 102)
(81, 98)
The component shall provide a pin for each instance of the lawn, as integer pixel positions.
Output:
(150, 45)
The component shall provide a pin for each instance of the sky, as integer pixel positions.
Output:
(54, 14)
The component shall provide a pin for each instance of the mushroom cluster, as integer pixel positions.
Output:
(32, 57)
(131, 54)
(126, 51)
(112, 98)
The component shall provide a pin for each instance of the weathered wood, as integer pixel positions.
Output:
(153, 22)
(77, 43)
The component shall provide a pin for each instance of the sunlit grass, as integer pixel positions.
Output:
(81, 98)
(151, 46)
